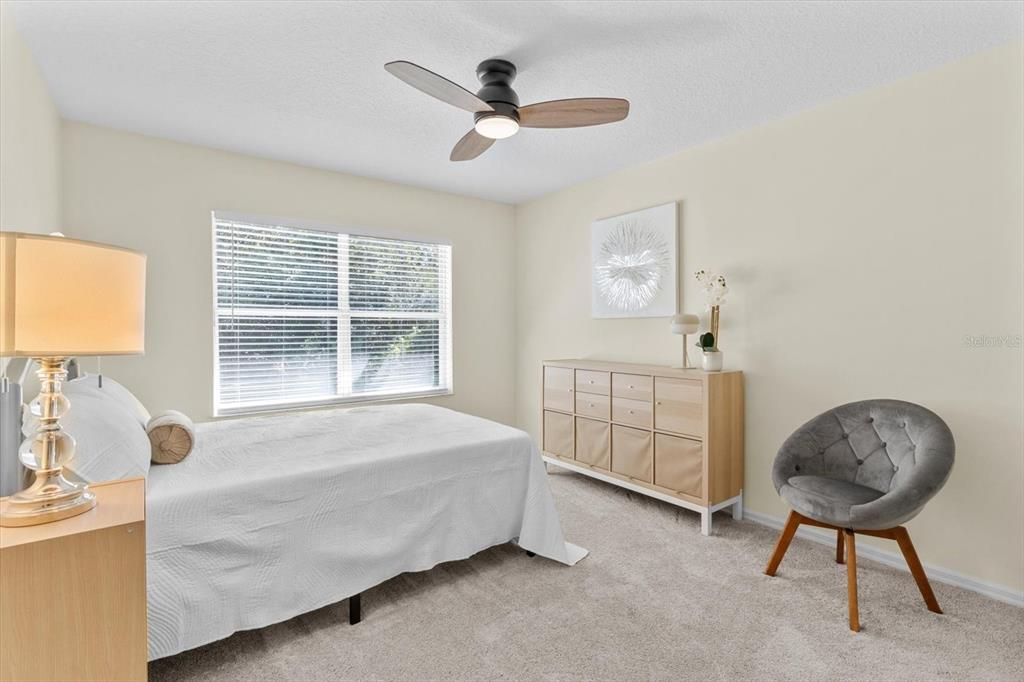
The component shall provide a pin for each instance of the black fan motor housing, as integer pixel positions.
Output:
(497, 76)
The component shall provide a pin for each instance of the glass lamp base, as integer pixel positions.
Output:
(46, 501)
(51, 497)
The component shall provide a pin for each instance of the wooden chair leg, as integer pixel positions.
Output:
(916, 569)
(839, 547)
(792, 523)
(851, 580)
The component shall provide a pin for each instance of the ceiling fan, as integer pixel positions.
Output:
(495, 107)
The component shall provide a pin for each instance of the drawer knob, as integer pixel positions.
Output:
(631, 385)
(591, 404)
(591, 381)
(631, 411)
(658, 403)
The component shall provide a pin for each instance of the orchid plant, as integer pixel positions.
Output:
(715, 290)
(714, 286)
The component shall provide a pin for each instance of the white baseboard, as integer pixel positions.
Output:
(936, 573)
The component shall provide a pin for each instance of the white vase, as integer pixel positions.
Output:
(712, 361)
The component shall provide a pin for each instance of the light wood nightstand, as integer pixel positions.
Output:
(73, 592)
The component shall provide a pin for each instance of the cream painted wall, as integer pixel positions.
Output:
(157, 196)
(29, 138)
(864, 240)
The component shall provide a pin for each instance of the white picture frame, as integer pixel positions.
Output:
(634, 268)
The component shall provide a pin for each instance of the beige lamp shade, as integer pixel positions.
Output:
(685, 324)
(61, 297)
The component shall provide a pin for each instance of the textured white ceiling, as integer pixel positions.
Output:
(305, 81)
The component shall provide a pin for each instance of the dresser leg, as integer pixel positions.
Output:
(737, 508)
(705, 522)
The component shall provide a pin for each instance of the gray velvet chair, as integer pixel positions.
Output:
(863, 467)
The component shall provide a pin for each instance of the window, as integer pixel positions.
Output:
(307, 316)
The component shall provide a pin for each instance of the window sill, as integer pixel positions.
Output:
(332, 402)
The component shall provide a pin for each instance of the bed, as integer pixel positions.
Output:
(274, 516)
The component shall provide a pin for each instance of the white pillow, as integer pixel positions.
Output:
(116, 391)
(111, 443)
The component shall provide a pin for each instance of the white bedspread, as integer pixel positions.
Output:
(274, 516)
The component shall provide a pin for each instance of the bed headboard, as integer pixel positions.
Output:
(11, 471)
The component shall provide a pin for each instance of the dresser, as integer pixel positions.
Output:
(672, 434)
(74, 592)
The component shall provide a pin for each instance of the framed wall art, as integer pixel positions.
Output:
(633, 264)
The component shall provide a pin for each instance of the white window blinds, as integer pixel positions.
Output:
(310, 316)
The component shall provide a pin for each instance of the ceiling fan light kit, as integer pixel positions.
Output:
(496, 126)
(495, 107)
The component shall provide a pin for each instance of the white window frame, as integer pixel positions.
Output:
(344, 317)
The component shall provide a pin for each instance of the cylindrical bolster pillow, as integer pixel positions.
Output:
(172, 436)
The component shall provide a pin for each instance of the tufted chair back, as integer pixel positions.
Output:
(889, 446)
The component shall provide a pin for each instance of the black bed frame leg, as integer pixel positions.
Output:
(355, 612)
(530, 554)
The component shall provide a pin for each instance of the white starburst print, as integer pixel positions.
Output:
(634, 264)
(631, 267)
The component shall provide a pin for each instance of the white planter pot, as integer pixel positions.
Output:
(712, 361)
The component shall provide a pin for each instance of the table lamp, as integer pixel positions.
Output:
(685, 324)
(61, 298)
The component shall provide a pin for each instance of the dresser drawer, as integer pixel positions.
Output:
(679, 464)
(679, 406)
(632, 453)
(592, 405)
(634, 386)
(558, 434)
(588, 381)
(634, 412)
(558, 389)
(593, 444)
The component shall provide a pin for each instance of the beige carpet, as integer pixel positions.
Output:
(654, 600)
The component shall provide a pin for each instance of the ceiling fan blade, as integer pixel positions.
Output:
(472, 145)
(573, 113)
(437, 86)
